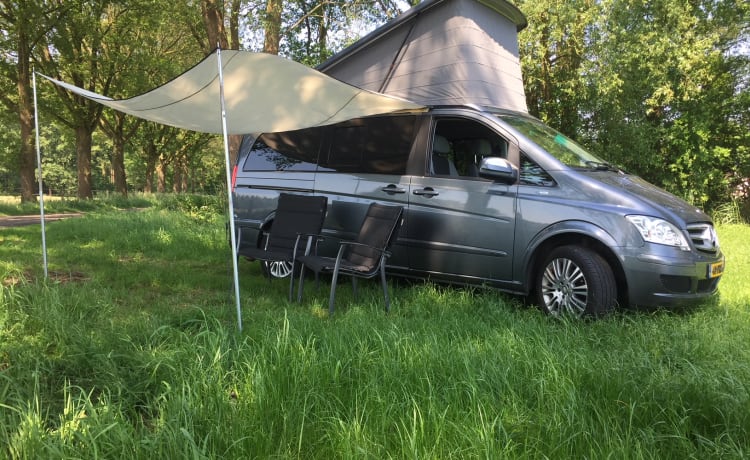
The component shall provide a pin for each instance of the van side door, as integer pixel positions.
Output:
(461, 226)
(364, 161)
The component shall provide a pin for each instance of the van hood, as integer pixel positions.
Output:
(652, 195)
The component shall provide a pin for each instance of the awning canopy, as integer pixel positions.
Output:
(253, 93)
(262, 92)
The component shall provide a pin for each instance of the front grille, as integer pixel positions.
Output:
(686, 285)
(704, 237)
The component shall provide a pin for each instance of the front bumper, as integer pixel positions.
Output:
(663, 279)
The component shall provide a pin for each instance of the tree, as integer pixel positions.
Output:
(663, 93)
(150, 50)
(218, 16)
(120, 128)
(272, 38)
(310, 31)
(24, 23)
(653, 86)
(76, 51)
(554, 47)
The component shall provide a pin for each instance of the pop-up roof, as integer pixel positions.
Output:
(441, 52)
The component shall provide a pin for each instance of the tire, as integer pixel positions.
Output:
(575, 281)
(276, 269)
(273, 269)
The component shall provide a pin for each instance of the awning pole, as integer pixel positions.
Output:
(229, 191)
(41, 182)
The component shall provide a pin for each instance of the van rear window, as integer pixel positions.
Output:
(289, 151)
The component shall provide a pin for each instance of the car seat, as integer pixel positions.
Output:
(479, 148)
(442, 165)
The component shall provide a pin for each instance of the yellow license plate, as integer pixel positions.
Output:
(715, 269)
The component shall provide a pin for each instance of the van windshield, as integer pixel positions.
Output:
(558, 145)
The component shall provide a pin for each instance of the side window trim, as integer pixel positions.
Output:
(533, 175)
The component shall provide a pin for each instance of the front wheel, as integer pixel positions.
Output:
(575, 281)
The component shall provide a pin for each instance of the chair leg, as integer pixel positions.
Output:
(301, 283)
(354, 286)
(335, 278)
(332, 298)
(291, 281)
(385, 286)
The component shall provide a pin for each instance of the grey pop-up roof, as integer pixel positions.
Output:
(441, 52)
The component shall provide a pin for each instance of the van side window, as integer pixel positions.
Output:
(287, 151)
(458, 146)
(376, 145)
(533, 174)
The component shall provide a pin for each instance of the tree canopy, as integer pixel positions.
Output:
(660, 87)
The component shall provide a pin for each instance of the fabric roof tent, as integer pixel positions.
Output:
(263, 93)
(441, 52)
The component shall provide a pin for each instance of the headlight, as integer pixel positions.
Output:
(659, 231)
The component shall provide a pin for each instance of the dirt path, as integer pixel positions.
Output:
(19, 221)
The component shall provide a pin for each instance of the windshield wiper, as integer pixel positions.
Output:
(602, 166)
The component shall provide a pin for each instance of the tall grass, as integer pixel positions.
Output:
(139, 357)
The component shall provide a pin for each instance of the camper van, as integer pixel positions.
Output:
(491, 195)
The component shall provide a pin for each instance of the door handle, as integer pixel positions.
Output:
(428, 192)
(393, 189)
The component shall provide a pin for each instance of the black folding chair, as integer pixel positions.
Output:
(297, 222)
(364, 257)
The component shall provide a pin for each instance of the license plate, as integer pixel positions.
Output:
(715, 269)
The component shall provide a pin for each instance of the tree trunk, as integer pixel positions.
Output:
(234, 24)
(151, 157)
(177, 175)
(118, 167)
(161, 179)
(83, 154)
(273, 26)
(213, 19)
(26, 155)
(181, 175)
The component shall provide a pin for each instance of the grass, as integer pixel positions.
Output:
(131, 351)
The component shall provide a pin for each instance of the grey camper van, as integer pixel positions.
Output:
(491, 197)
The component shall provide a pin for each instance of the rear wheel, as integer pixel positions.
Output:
(273, 269)
(575, 281)
(277, 269)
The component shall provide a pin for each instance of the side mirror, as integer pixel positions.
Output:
(498, 169)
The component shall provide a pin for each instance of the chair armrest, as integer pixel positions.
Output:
(343, 244)
(310, 238)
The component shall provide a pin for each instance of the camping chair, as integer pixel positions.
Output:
(362, 258)
(297, 217)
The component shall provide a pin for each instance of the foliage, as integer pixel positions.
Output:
(660, 87)
(653, 86)
(11, 206)
(202, 207)
(130, 350)
(316, 30)
(729, 213)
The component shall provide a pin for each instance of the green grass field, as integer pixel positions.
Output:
(130, 350)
